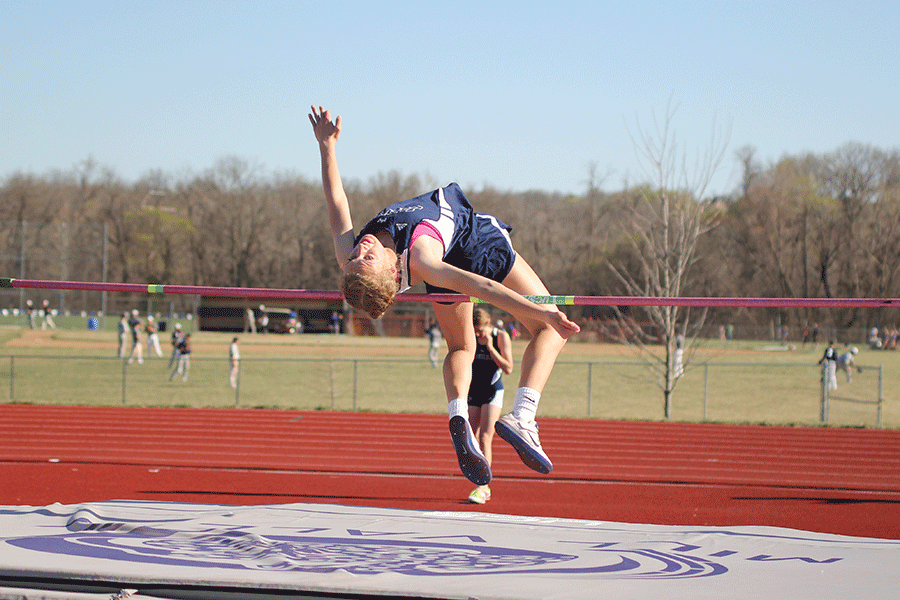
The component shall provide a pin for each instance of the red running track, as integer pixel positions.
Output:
(843, 481)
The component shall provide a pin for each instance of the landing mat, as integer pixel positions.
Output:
(176, 550)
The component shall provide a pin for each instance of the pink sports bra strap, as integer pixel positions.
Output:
(425, 228)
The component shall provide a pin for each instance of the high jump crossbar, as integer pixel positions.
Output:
(241, 292)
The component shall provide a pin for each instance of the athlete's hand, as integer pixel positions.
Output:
(564, 326)
(326, 131)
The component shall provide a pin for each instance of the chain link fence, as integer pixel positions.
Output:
(773, 393)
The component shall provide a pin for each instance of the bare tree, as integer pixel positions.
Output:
(851, 176)
(776, 224)
(305, 246)
(668, 216)
(158, 239)
(229, 209)
(880, 240)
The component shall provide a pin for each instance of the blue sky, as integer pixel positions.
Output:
(515, 95)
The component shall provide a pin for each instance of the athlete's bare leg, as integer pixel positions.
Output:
(546, 344)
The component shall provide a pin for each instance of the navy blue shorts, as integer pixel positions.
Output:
(483, 399)
(489, 252)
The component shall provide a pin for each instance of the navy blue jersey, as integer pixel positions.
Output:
(474, 242)
(487, 377)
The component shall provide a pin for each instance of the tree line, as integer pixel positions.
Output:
(810, 225)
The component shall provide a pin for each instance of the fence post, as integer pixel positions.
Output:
(331, 380)
(880, 390)
(590, 378)
(705, 387)
(355, 372)
(824, 416)
(12, 378)
(237, 385)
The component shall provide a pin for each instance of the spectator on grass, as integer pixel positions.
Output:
(262, 323)
(152, 337)
(184, 358)
(893, 339)
(249, 321)
(137, 351)
(829, 373)
(336, 322)
(845, 362)
(48, 323)
(678, 356)
(177, 334)
(493, 358)
(434, 341)
(29, 310)
(234, 359)
(122, 329)
(874, 339)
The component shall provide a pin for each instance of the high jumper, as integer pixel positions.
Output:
(437, 238)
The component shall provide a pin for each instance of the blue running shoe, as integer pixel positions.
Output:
(523, 436)
(471, 461)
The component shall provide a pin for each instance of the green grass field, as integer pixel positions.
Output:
(744, 382)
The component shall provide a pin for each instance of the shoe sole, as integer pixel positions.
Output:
(471, 462)
(532, 459)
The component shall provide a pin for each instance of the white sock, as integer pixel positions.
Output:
(526, 403)
(458, 407)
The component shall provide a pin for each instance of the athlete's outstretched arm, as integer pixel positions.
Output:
(327, 133)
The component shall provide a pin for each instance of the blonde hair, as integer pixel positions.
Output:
(372, 293)
(480, 318)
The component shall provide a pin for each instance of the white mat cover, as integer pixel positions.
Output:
(162, 549)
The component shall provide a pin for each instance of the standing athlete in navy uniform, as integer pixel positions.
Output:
(438, 239)
(493, 359)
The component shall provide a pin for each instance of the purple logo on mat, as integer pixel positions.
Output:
(324, 550)
(362, 553)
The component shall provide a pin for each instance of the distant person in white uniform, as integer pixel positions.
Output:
(48, 323)
(434, 342)
(845, 363)
(829, 374)
(152, 337)
(234, 361)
